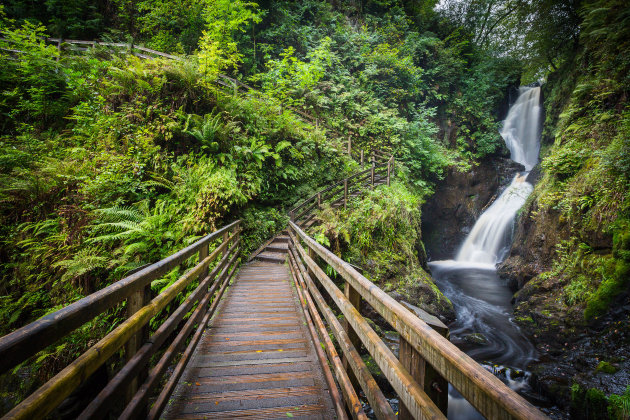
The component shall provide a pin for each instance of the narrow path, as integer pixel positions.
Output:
(256, 359)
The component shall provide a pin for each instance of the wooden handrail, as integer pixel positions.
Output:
(375, 396)
(314, 320)
(23, 343)
(345, 186)
(408, 390)
(483, 390)
(98, 407)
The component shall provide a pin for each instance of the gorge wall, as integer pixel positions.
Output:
(459, 199)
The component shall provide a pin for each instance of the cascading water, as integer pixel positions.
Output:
(484, 328)
(521, 128)
(489, 240)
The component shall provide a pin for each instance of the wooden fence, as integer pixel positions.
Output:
(427, 363)
(137, 379)
(341, 191)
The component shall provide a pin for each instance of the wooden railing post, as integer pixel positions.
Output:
(319, 200)
(345, 193)
(349, 145)
(226, 236)
(135, 302)
(235, 88)
(59, 47)
(203, 253)
(237, 234)
(372, 173)
(362, 163)
(434, 385)
(355, 299)
(388, 171)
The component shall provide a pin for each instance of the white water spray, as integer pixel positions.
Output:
(521, 128)
(488, 242)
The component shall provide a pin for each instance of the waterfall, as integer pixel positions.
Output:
(489, 240)
(480, 298)
(521, 128)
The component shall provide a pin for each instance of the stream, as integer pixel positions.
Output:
(484, 327)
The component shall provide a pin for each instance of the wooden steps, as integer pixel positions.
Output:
(256, 360)
(275, 251)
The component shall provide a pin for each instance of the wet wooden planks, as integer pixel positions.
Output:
(256, 359)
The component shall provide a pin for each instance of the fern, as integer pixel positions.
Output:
(84, 261)
(117, 214)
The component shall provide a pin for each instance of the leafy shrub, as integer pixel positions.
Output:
(259, 225)
(619, 405)
(33, 89)
(565, 161)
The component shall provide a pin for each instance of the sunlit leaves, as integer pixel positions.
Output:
(218, 49)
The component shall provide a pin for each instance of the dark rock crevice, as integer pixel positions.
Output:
(459, 199)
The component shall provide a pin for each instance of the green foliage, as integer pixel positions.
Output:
(564, 162)
(593, 403)
(585, 179)
(218, 49)
(33, 89)
(74, 19)
(380, 232)
(172, 27)
(619, 405)
(289, 78)
(421, 153)
(606, 368)
(260, 224)
(616, 281)
(542, 33)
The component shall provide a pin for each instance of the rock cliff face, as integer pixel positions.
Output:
(459, 199)
(535, 237)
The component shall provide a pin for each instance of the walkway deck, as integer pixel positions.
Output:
(256, 359)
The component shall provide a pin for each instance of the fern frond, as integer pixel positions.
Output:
(83, 262)
(117, 214)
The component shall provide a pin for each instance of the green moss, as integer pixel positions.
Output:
(578, 290)
(621, 240)
(372, 366)
(609, 289)
(606, 367)
(525, 319)
(588, 404)
(619, 405)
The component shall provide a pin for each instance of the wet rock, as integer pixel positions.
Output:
(459, 200)
(533, 248)
(534, 175)
(593, 356)
(517, 272)
(476, 338)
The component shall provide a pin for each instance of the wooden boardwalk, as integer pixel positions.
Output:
(256, 359)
